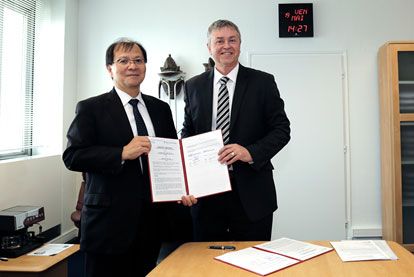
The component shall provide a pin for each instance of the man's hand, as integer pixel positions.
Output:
(231, 153)
(188, 200)
(136, 147)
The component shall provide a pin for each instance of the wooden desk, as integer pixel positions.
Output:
(195, 259)
(39, 266)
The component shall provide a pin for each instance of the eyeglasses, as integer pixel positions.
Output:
(125, 62)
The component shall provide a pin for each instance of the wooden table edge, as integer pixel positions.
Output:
(38, 266)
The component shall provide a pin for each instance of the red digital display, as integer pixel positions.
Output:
(296, 20)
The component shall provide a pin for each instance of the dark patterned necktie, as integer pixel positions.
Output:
(142, 131)
(223, 114)
(141, 128)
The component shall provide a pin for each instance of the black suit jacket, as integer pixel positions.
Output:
(114, 191)
(258, 122)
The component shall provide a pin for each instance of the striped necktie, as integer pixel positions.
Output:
(223, 114)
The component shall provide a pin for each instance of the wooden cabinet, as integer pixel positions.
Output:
(396, 88)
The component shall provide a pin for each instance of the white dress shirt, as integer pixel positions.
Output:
(125, 97)
(231, 84)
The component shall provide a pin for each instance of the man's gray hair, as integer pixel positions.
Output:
(221, 23)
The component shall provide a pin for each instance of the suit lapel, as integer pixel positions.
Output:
(117, 112)
(206, 97)
(239, 92)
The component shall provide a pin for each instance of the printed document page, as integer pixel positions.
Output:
(257, 261)
(363, 250)
(50, 249)
(293, 248)
(383, 245)
(205, 174)
(166, 170)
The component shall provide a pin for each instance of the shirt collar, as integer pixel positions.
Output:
(125, 97)
(232, 74)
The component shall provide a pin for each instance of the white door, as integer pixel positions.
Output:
(310, 172)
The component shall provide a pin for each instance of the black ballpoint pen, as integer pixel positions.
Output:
(222, 247)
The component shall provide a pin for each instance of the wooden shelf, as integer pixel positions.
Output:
(395, 69)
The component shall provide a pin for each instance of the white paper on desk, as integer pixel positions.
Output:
(257, 261)
(383, 245)
(363, 250)
(50, 249)
(293, 248)
(188, 166)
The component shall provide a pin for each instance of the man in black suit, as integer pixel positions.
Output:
(258, 129)
(120, 227)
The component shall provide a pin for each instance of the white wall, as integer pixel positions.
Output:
(43, 180)
(70, 181)
(179, 28)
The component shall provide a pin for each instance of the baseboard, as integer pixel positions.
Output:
(65, 237)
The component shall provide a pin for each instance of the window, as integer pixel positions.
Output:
(17, 38)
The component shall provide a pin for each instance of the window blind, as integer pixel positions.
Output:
(17, 47)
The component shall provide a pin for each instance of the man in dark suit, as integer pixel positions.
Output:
(107, 139)
(257, 130)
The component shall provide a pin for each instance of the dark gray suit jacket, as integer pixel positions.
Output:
(114, 191)
(258, 122)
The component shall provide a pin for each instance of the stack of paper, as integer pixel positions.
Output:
(363, 250)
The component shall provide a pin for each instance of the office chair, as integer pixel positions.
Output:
(76, 215)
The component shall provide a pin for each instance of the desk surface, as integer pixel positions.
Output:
(27, 263)
(195, 259)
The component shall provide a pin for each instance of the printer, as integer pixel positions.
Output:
(15, 239)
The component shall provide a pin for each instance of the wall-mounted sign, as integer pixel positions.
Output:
(296, 20)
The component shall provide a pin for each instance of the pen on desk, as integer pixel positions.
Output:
(4, 259)
(222, 247)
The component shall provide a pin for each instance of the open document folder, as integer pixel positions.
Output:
(187, 166)
(363, 250)
(269, 257)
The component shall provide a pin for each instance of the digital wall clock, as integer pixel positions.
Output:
(296, 20)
